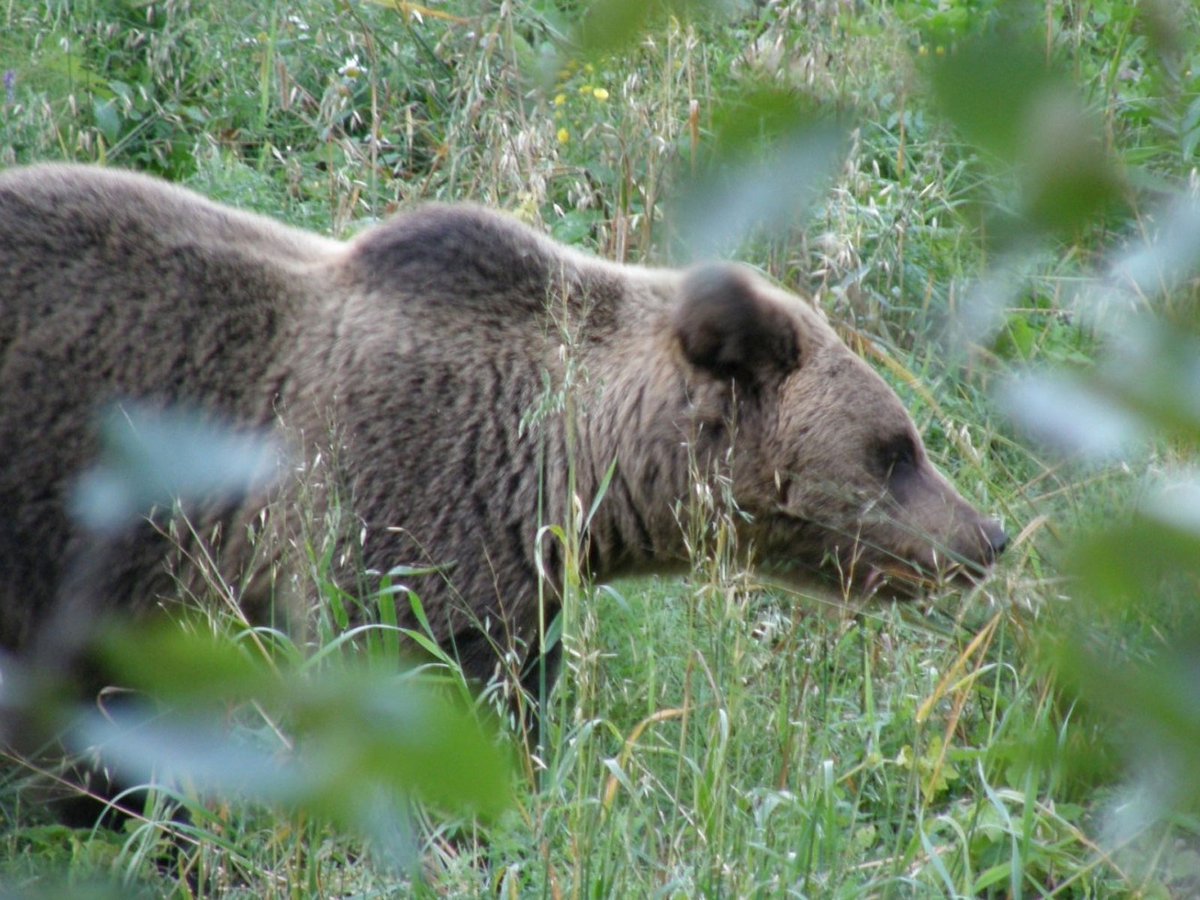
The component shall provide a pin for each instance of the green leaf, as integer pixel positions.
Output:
(1002, 94)
(358, 742)
(163, 659)
(989, 86)
(154, 458)
(610, 26)
(766, 158)
(108, 120)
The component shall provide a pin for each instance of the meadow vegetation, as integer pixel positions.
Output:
(974, 191)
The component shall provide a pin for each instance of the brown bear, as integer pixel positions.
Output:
(481, 381)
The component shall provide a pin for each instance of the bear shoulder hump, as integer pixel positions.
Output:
(456, 252)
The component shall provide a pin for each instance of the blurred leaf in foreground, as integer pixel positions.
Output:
(998, 89)
(1131, 647)
(1066, 412)
(765, 160)
(351, 745)
(1148, 381)
(1128, 641)
(1164, 263)
(608, 26)
(1150, 384)
(153, 458)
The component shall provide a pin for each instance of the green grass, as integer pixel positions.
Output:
(711, 736)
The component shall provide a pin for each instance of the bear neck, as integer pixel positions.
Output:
(632, 467)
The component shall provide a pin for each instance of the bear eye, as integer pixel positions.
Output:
(895, 456)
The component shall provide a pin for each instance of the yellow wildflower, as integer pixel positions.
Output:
(563, 135)
(560, 99)
(600, 94)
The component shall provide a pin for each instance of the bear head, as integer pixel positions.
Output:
(828, 471)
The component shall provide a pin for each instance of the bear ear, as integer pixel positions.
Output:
(726, 327)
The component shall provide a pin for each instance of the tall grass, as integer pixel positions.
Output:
(711, 736)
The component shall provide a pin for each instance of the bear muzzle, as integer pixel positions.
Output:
(967, 561)
(995, 540)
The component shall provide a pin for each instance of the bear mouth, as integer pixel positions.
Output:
(860, 565)
(897, 580)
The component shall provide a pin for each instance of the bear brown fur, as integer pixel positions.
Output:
(479, 379)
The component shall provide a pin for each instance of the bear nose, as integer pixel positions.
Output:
(994, 537)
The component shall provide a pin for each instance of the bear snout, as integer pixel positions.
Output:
(995, 540)
(965, 557)
(982, 542)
